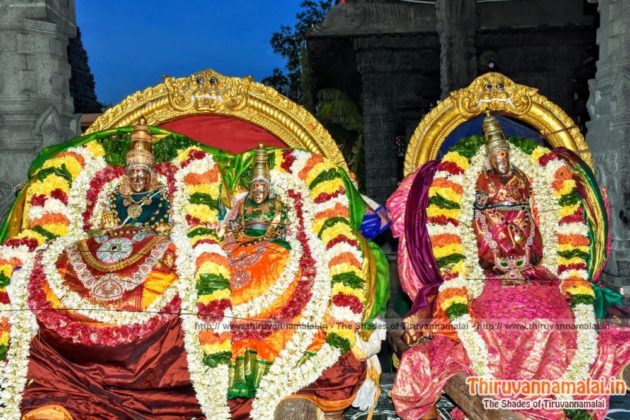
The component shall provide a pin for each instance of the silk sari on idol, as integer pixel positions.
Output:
(523, 319)
(80, 368)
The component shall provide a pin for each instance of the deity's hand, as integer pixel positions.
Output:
(109, 220)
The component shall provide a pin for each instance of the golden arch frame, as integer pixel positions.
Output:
(493, 92)
(210, 93)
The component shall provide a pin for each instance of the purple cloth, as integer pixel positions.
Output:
(417, 236)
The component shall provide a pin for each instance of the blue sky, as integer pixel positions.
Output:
(132, 43)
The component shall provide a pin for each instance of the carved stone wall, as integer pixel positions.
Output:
(36, 109)
(548, 45)
(399, 81)
(558, 61)
(457, 26)
(609, 131)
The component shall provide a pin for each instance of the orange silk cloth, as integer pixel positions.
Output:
(160, 277)
(256, 268)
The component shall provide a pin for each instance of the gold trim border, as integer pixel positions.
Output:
(496, 93)
(210, 93)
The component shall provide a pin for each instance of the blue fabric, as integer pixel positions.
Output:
(371, 224)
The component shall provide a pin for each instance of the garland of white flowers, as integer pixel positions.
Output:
(472, 279)
(285, 376)
(586, 351)
(22, 321)
(545, 201)
(99, 206)
(77, 204)
(210, 384)
(256, 305)
(23, 329)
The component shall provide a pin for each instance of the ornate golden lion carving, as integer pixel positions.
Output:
(493, 92)
(208, 92)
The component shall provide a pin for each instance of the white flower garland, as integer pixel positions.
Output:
(77, 204)
(280, 381)
(586, 351)
(547, 206)
(22, 321)
(473, 272)
(23, 328)
(210, 384)
(72, 300)
(545, 201)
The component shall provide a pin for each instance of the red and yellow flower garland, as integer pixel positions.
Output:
(563, 229)
(50, 211)
(331, 224)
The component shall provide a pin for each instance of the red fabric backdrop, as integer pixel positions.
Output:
(225, 133)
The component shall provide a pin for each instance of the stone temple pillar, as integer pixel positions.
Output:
(457, 27)
(381, 168)
(36, 109)
(609, 132)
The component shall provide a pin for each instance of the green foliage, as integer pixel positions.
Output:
(450, 259)
(116, 147)
(573, 253)
(289, 43)
(343, 120)
(525, 144)
(577, 414)
(201, 198)
(48, 235)
(4, 281)
(167, 148)
(335, 107)
(326, 175)
(62, 172)
(443, 203)
(202, 231)
(338, 342)
(209, 283)
(571, 198)
(214, 360)
(456, 310)
(332, 222)
(468, 146)
(582, 299)
(348, 279)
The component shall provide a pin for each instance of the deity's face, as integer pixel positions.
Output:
(259, 191)
(139, 178)
(500, 161)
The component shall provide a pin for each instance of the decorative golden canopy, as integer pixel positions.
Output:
(495, 93)
(209, 92)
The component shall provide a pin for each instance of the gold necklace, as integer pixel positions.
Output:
(134, 208)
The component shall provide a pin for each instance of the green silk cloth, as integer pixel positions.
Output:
(246, 374)
(604, 299)
(156, 211)
(265, 213)
(381, 293)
